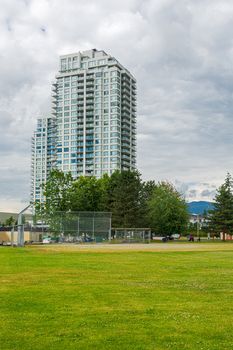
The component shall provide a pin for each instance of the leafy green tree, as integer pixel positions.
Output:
(221, 218)
(57, 192)
(104, 185)
(86, 194)
(168, 213)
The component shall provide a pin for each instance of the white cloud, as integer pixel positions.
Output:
(181, 54)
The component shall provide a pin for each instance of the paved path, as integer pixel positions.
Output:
(172, 246)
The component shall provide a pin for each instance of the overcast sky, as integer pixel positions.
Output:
(181, 53)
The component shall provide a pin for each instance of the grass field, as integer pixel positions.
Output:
(117, 298)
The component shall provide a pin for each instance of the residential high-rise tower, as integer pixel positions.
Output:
(94, 103)
(94, 108)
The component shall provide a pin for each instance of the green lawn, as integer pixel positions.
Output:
(66, 299)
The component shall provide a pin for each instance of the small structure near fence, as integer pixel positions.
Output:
(82, 226)
(10, 237)
(131, 235)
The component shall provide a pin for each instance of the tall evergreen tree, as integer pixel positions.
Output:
(148, 188)
(124, 193)
(221, 218)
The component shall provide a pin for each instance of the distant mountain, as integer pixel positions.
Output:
(199, 207)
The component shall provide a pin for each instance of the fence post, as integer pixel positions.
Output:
(12, 236)
(110, 230)
(78, 226)
(93, 228)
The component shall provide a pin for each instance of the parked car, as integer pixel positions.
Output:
(163, 238)
(167, 238)
(176, 236)
(47, 240)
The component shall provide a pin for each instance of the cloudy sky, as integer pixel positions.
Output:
(181, 53)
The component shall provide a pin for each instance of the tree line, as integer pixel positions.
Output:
(132, 202)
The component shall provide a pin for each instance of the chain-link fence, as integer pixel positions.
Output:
(131, 235)
(81, 226)
(76, 227)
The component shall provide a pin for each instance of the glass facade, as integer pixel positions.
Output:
(43, 155)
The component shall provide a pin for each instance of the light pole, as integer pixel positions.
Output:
(198, 228)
